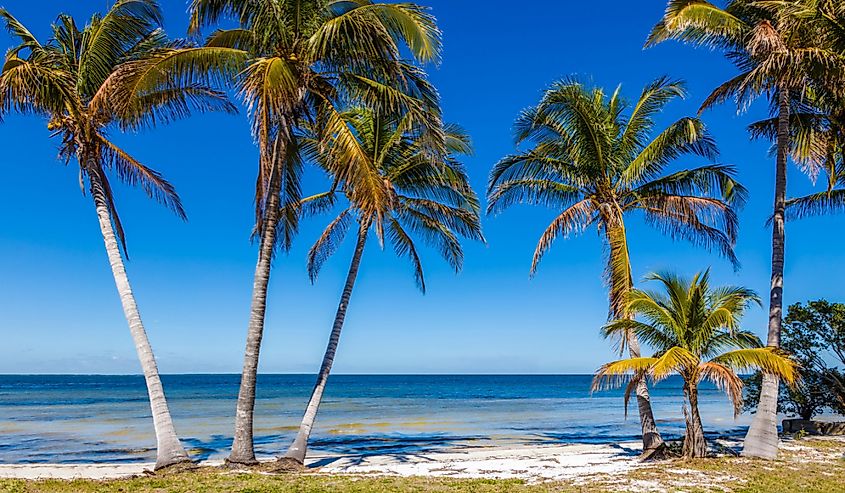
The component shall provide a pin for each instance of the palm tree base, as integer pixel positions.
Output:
(177, 465)
(235, 463)
(659, 452)
(762, 439)
(288, 464)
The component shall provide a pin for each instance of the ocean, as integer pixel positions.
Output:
(99, 418)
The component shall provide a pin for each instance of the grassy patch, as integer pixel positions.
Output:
(213, 480)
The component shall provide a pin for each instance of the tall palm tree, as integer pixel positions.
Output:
(405, 186)
(296, 61)
(81, 81)
(695, 331)
(594, 158)
(782, 54)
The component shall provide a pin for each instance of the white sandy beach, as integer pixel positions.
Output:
(532, 463)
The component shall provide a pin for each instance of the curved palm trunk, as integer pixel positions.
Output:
(695, 446)
(243, 451)
(169, 450)
(651, 436)
(619, 271)
(299, 446)
(762, 438)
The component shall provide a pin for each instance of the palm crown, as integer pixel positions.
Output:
(597, 163)
(298, 62)
(82, 80)
(775, 45)
(404, 188)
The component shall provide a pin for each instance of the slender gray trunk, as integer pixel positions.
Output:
(695, 445)
(169, 450)
(299, 446)
(762, 438)
(651, 436)
(243, 451)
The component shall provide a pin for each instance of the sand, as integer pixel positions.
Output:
(532, 463)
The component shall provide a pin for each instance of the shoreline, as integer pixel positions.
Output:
(525, 462)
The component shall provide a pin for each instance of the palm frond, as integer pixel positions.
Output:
(725, 380)
(767, 359)
(573, 220)
(674, 360)
(687, 136)
(699, 22)
(109, 38)
(403, 245)
(17, 29)
(616, 373)
(816, 204)
(133, 173)
(328, 243)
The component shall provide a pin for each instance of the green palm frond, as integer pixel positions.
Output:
(767, 359)
(109, 38)
(378, 28)
(674, 360)
(701, 221)
(687, 136)
(616, 373)
(654, 335)
(17, 29)
(699, 22)
(549, 193)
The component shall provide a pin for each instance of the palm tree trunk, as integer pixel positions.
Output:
(243, 451)
(299, 446)
(619, 266)
(762, 438)
(169, 450)
(651, 436)
(695, 446)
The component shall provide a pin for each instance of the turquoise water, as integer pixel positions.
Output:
(66, 419)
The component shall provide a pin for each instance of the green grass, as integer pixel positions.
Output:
(217, 481)
(816, 467)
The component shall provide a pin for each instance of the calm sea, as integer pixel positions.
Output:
(71, 418)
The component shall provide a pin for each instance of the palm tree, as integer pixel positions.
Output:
(780, 52)
(598, 164)
(81, 80)
(404, 187)
(295, 62)
(695, 332)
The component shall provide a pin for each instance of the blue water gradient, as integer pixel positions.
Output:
(97, 418)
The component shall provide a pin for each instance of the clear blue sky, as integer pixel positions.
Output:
(59, 311)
